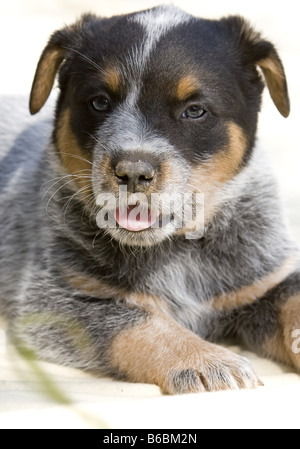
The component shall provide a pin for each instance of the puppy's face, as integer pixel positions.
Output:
(156, 108)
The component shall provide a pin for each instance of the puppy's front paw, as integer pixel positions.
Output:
(163, 352)
(219, 369)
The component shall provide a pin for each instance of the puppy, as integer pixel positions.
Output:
(155, 108)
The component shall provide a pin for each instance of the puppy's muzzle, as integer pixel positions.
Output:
(137, 175)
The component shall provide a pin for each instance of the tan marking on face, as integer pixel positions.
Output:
(186, 87)
(249, 294)
(228, 162)
(112, 78)
(222, 167)
(74, 160)
(208, 178)
(44, 78)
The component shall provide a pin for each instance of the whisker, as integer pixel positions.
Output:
(53, 195)
(84, 57)
(96, 140)
(71, 198)
(90, 208)
(95, 238)
(57, 181)
(54, 179)
(78, 192)
(77, 156)
(76, 175)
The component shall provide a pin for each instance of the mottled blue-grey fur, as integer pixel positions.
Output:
(47, 231)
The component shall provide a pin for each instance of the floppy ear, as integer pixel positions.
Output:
(59, 45)
(47, 68)
(259, 52)
(276, 81)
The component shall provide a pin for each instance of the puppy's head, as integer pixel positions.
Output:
(156, 108)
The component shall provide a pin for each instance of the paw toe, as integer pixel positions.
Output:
(233, 374)
(185, 381)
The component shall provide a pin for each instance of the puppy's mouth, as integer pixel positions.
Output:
(140, 223)
(131, 220)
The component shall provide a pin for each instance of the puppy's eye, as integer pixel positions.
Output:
(100, 104)
(194, 112)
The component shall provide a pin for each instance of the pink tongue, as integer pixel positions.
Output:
(130, 220)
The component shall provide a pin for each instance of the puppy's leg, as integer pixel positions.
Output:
(128, 342)
(271, 326)
(160, 351)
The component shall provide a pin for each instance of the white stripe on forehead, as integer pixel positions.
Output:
(156, 23)
(159, 20)
(127, 128)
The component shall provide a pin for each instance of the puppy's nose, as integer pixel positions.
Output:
(137, 175)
